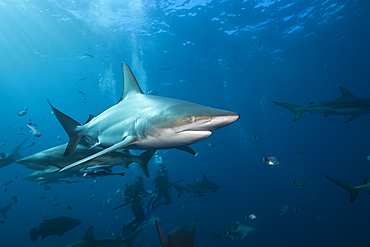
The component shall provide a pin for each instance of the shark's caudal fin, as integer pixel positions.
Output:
(69, 126)
(163, 236)
(130, 238)
(294, 108)
(144, 159)
(5, 209)
(179, 189)
(351, 188)
(15, 151)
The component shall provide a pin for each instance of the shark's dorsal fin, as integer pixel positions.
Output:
(89, 119)
(89, 234)
(163, 236)
(366, 181)
(205, 178)
(130, 85)
(346, 93)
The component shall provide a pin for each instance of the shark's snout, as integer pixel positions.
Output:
(224, 120)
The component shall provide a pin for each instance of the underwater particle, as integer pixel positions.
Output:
(211, 144)
(254, 137)
(251, 217)
(7, 183)
(45, 186)
(368, 157)
(67, 187)
(69, 207)
(6, 189)
(299, 183)
(295, 210)
(118, 191)
(59, 138)
(19, 132)
(299, 152)
(283, 209)
(2, 144)
(31, 144)
(152, 92)
(92, 197)
(271, 161)
(318, 218)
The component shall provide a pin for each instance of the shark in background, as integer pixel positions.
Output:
(347, 104)
(353, 189)
(10, 158)
(236, 231)
(141, 121)
(52, 159)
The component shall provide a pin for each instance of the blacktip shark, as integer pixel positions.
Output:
(89, 240)
(198, 188)
(53, 158)
(10, 158)
(182, 236)
(352, 188)
(141, 121)
(347, 104)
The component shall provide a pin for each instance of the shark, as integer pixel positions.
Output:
(141, 121)
(347, 104)
(182, 236)
(236, 231)
(198, 188)
(10, 158)
(5, 209)
(351, 188)
(53, 158)
(89, 240)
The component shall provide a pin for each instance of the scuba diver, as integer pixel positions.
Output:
(161, 189)
(133, 194)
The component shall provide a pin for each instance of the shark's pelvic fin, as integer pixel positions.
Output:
(130, 85)
(294, 108)
(127, 141)
(163, 236)
(346, 93)
(351, 188)
(354, 116)
(187, 149)
(69, 126)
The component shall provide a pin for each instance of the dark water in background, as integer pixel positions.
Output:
(213, 50)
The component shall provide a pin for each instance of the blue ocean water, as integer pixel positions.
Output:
(234, 55)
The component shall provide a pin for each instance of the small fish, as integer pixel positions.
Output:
(299, 183)
(81, 79)
(16, 175)
(211, 144)
(283, 209)
(31, 144)
(165, 68)
(152, 92)
(6, 189)
(368, 157)
(42, 197)
(271, 161)
(7, 183)
(2, 144)
(260, 41)
(59, 138)
(22, 113)
(33, 130)
(255, 138)
(318, 218)
(295, 210)
(88, 55)
(19, 132)
(82, 92)
(300, 152)
(15, 199)
(69, 207)
(45, 186)
(251, 217)
(325, 68)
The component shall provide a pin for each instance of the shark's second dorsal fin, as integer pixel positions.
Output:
(130, 85)
(89, 119)
(205, 178)
(346, 93)
(89, 234)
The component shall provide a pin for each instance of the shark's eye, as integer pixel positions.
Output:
(192, 119)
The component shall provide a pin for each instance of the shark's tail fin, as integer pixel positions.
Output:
(179, 189)
(15, 151)
(69, 126)
(294, 108)
(351, 188)
(34, 233)
(144, 159)
(5, 209)
(130, 238)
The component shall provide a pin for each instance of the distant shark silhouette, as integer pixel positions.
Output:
(9, 158)
(181, 236)
(198, 188)
(347, 104)
(53, 157)
(89, 240)
(351, 188)
(142, 121)
(5, 209)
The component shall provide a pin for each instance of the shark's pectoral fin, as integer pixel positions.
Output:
(187, 149)
(127, 141)
(354, 116)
